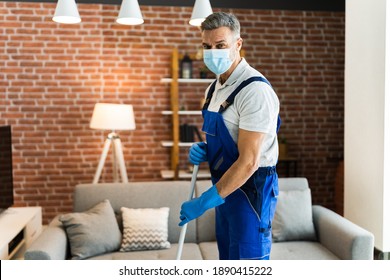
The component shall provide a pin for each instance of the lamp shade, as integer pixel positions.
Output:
(130, 13)
(202, 9)
(108, 116)
(66, 12)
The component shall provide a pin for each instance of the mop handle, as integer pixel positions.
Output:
(184, 228)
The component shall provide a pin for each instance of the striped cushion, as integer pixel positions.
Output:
(145, 229)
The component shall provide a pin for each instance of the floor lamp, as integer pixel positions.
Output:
(107, 116)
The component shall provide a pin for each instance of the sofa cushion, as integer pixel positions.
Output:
(300, 250)
(190, 251)
(145, 229)
(140, 195)
(92, 232)
(293, 216)
(205, 224)
(209, 250)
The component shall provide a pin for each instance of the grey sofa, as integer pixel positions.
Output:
(334, 236)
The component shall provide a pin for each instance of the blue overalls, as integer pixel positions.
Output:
(243, 222)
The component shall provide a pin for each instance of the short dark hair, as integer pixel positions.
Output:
(220, 19)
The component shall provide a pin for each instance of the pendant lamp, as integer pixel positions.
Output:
(66, 12)
(202, 9)
(130, 13)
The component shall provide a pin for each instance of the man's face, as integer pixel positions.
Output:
(220, 38)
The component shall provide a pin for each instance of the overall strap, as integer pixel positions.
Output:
(229, 101)
(209, 95)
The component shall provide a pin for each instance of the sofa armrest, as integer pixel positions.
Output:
(52, 244)
(345, 239)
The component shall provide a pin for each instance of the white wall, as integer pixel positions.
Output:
(367, 111)
(386, 163)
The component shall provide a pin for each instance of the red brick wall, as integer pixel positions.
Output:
(51, 76)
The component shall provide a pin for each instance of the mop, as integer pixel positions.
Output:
(184, 228)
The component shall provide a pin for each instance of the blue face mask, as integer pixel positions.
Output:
(217, 60)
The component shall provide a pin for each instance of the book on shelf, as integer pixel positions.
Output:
(188, 132)
(200, 138)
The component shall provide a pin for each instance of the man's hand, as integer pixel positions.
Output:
(196, 207)
(198, 153)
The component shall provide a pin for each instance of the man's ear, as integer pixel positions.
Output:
(239, 44)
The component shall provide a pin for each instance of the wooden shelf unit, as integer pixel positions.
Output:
(169, 144)
(182, 112)
(193, 81)
(174, 144)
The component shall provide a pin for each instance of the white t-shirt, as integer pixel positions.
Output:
(255, 108)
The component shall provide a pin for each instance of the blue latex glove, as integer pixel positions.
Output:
(196, 207)
(198, 153)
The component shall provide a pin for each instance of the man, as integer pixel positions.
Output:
(241, 119)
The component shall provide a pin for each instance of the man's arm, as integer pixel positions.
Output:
(249, 148)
